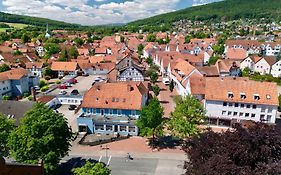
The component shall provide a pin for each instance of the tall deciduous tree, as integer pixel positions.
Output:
(153, 77)
(6, 127)
(91, 169)
(151, 118)
(188, 114)
(4, 67)
(156, 90)
(73, 53)
(42, 135)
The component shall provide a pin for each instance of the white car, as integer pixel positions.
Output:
(166, 81)
(62, 93)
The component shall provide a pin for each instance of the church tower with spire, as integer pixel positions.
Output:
(47, 35)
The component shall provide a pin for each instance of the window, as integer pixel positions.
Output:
(242, 105)
(254, 106)
(94, 111)
(229, 113)
(111, 111)
(253, 115)
(256, 96)
(223, 112)
(230, 104)
(235, 113)
(123, 128)
(247, 115)
(248, 106)
(262, 109)
(132, 129)
(236, 104)
(262, 117)
(108, 127)
(99, 127)
(119, 112)
(268, 118)
(133, 112)
(242, 95)
(230, 95)
(269, 110)
(241, 114)
(224, 104)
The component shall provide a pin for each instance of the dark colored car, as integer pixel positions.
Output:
(74, 92)
(72, 81)
(62, 86)
(72, 107)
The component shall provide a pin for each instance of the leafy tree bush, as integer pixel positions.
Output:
(91, 169)
(4, 68)
(42, 83)
(186, 118)
(47, 71)
(26, 94)
(171, 86)
(79, 41)
(44, 88)
(153, 77)
(279, 99)
(73, 53)
(25, 38)
(42, 135)
(52, 48)
(151, 118)
(151, 38)
(7, 125)
(213, 60)
(6, 97)
(253, 151)
(156, 90)
(149, 61)
(58, 82)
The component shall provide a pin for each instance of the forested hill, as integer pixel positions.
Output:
(219, 11)
(12, 18)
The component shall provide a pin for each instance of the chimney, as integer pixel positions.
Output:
(33, 94)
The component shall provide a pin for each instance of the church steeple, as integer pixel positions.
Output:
(47, 35)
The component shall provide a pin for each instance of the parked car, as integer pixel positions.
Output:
(62, 92)
(68, 84)
(74, 92)
(62, 86)
(166, 81)
(72, 107)
(86, 75)
(72, 81)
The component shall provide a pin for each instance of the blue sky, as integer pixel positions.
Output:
(95, 12)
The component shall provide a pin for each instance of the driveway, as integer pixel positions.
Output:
(70, 116)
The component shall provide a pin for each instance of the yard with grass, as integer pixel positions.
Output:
(13, 25)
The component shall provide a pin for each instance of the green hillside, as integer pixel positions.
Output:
(34, 21)
(219, 11)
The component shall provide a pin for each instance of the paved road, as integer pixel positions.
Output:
(123, 166)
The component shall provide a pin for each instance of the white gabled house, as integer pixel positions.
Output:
(276, 69)
(263, 66)
(180, 72)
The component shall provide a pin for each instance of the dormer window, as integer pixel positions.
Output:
(230, 95)
(256, 96)
(268, 97)
(242, 95)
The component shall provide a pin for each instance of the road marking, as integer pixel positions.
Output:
(100, 158)
(108, 161)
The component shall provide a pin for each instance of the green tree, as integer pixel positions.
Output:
(188, 114)
(73, 53)
(187, 39)
(25, 38)
(153, 77)
(42, 83)
(52, 48)
(91, 169)
(122, 39)
(42, 135)
(47, 71)
(63, 55)
(213, 60)
(151, 119)
(4, 68)
(149, 61)
(156, 90)
(140, 49)
(6, 97)
(151, 38)
(79, 41)
(218, 49)
(171, 86)
(6, 127)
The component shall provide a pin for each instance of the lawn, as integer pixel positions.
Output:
(17, 25)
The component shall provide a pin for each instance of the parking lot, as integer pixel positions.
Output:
(83, 85)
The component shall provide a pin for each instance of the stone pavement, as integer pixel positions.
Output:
(166, 98)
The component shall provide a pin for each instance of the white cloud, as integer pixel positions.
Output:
(78, 11)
